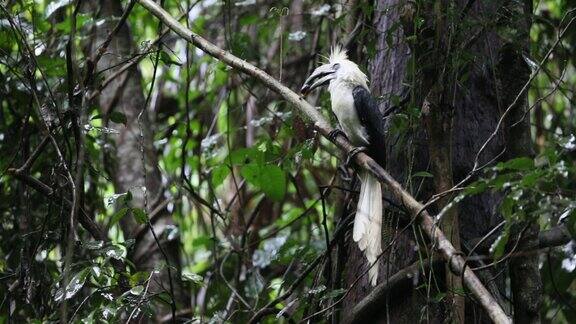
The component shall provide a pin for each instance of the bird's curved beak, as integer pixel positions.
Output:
(320, 77)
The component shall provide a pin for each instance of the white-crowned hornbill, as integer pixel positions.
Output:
(363, 124)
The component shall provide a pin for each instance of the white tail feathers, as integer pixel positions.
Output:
(368, 222)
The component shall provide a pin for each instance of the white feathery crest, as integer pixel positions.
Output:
(337, 54)
(349, 71)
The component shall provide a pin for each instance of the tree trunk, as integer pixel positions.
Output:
(512, 75)
(133, 163)
(478, 103)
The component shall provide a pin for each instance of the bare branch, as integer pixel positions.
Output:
(556, 236)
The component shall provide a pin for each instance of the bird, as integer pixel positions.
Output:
(362, 122)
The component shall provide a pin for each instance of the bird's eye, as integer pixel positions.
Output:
(336, 66)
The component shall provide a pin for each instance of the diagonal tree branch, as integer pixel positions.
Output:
(416, 209)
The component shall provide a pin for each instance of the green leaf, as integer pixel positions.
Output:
(476, 188)
(246, 156)
(128, 197)
(507, 207)
(522, 163)
(423, 174)
(502, 181)
(139, 215)
(55, 5)
(289, 216)
(139, 277)
(248, 20)
(115, 251)
(273, 182)
(251, 172)
(202, 241)
(137, 291)
(399, 123)
(117, 216)
(74, 285)
(192, 277)
(218, 175)
(52, 66)
(128, 243)
(269, 178)
(390, 32)
(118, 117)
(166, 59)
(411, 39)
(438, 297)
(569, 218)
(96, 271)
(66, 25)
(93, 245)
(530, 179)
(499, 246)
(220, 75)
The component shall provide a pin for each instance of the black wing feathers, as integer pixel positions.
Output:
(372, 119)
(368, 112)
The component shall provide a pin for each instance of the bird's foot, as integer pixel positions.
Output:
(334, 134)
(354, 152)
(345, 175)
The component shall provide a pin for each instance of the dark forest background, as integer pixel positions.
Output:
(143, 180)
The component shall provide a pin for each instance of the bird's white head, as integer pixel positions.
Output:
(338, 71)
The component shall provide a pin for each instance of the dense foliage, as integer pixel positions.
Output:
(254, 196)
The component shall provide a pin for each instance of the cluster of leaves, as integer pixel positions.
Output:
(537, 190)
(542, 191)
